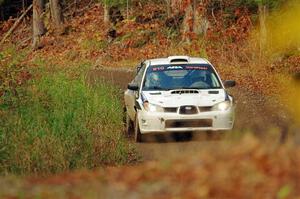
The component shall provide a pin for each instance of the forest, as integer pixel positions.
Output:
(64, 65)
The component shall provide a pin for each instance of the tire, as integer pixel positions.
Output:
(137, 132)
(129, 126)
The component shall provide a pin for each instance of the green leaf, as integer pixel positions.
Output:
(284, 192)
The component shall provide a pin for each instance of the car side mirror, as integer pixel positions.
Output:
(229, 83)
(133, 87)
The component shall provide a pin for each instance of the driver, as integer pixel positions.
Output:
(199, 79)
(153, 80)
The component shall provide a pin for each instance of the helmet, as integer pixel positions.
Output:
(154, 77)
(153, 80)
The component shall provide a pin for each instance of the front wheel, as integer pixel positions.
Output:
(137, 132)
(129, 126)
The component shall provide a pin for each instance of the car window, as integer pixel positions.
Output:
(188, 76)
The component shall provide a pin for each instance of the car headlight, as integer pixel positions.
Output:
(152, 107)
(222, 106)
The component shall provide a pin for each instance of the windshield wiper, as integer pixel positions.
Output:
(197, 88)
(158, 88)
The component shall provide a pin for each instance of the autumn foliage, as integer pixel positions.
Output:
(249, 169)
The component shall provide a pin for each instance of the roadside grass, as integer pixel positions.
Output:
(93, 44)
(60, 123)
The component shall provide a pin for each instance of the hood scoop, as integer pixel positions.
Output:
(213, 92)
(185, 91)
(155, 93)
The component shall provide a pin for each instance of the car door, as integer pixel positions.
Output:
(130, 95)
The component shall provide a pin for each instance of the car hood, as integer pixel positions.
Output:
(176, 98)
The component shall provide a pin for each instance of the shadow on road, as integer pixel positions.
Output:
(182, 137)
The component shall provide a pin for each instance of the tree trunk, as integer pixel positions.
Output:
(262, 10)
(75, 7)
(23, 6)
(168, 2)
(106, 13)
(57, 16)
(195, 22)
(201, 22)
(38, 24)
(127, 9)
(188, 23)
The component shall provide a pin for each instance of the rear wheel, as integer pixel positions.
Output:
(137, 132)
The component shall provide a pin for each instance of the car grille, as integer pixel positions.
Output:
(170, 110)
(183, 110)
(187, 110)
(188, 123)
(205, 108)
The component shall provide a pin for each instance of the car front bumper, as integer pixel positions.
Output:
(159, 122)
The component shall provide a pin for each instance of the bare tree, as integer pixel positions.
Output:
(106, 13)
(187, 26)
(195, 21)
(106, 6)
(262, 10)
(200, 21)
(168, 2)
(57, 16)
(38, 24)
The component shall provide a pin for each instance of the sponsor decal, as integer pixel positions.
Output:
(196, 68)
(161, 68)
(175, 67)
(164, 68)
(188, 108)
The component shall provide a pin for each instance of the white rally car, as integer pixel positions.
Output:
(178, 94)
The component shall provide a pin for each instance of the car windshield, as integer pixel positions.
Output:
(170, 77)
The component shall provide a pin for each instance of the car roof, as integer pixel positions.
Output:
(178, 60)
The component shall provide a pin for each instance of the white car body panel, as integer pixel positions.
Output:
(166, 99)
(155, 122)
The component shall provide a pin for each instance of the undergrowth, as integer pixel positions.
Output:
(60, 123)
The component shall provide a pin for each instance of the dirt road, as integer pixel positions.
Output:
(255, 113)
